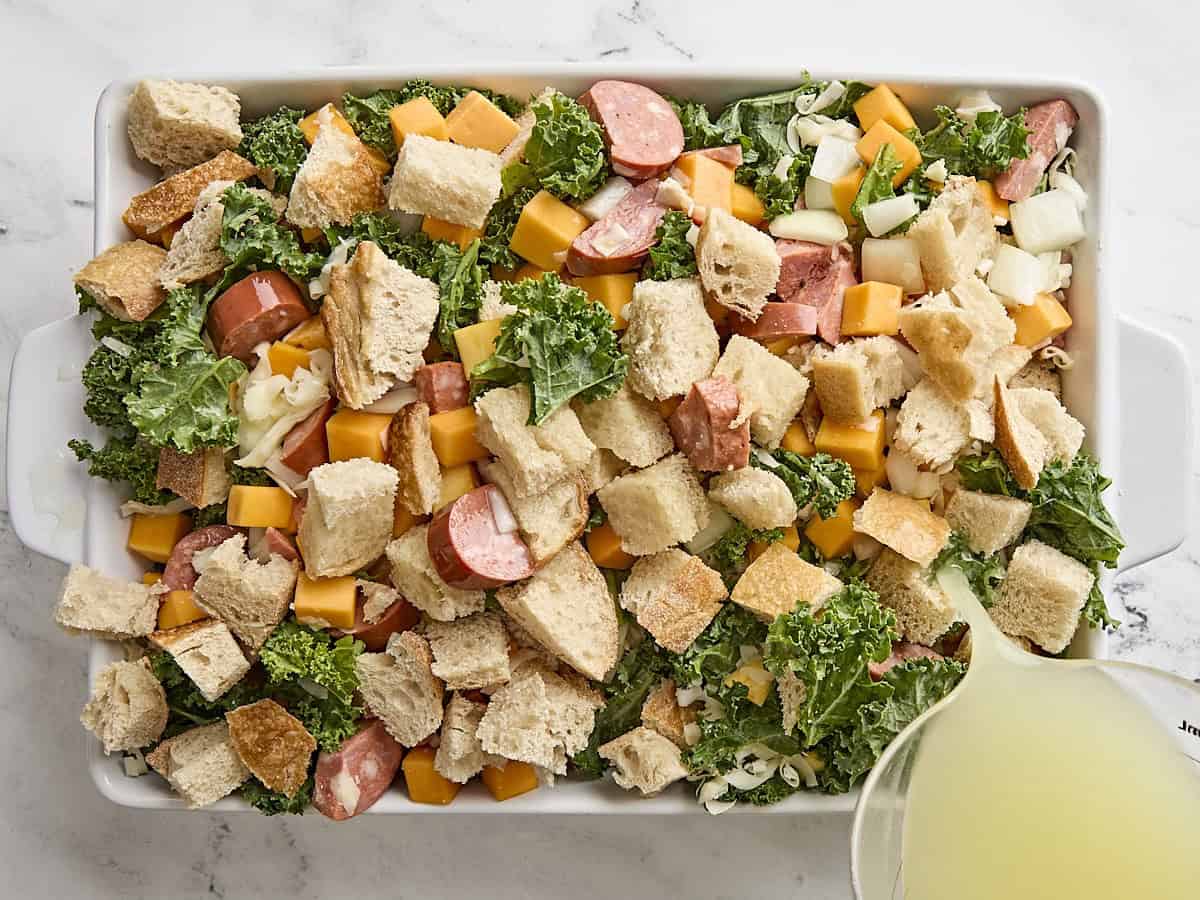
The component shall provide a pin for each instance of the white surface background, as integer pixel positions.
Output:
(59, 838)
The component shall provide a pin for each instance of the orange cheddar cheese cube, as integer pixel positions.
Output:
(613, 292)
(756, 679)
(708, 182)
(424, 783)
(861, 445)
(906, 151)
(309, 335)
(796, 440)
(417, 116)
(834, 536)
(605, 548)
(545, 229)
(352, 433)
(259, 506)
(882, 103)
(441, 230)
(844, 190)
(477, 342)
(154, 537)
(871, 308)
(456, 481)
(866, 480)
(178, 608)
(514, 779)
(790, 539)
(285, 359)
(151, 578)
(330, 600)
(310, 124)
(997, 204)
(453, 437)
(477, 122)
(745, 205)
(1043, 319)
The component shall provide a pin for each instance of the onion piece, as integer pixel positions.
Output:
(502, 514)
(937, 172)
(783, 166)
(835, 158)
(1047, 221)
(973, 103)
(818, 194)
(883, 216)
(905, 478)
(601, 203)
(893, 261)
(120, 348)
(1016, 275)
(134, 508)
(393, 401)
(819, 226)
(719, 522)
(288, 479)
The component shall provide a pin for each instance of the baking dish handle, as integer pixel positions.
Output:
(46, 485)
(1157, 444)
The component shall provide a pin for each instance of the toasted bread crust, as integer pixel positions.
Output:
(272, 744)
(124, 280)
(175, 197)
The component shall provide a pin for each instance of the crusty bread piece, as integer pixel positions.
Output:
(248, 596)
(990, 521)
(755, 496)
(377, 599)
(671, 340)
(1004, 364)
(1062, 431)
(933, 428)
(662, 712)
(923, 611)
(124, 280)
(738, 264)
(414, 575)
(602, 468)
(1037, 373)
(347, 520)
(954, 234)
(127, 708)
(541, 718)
(492, 306)
(400, 688)
(200, 477)
(656, 508)
(645, 760)
(460, 755)
(336, 182)
(1042, 595)
(903, 523)
(627, 424)
(207, 653)
(772, 390)
(173, 198)
(536, 456)
(200, 764)
(410, 453)
(379, 317)
(176, 124)
(1032, 429)
(857, 377)
(567, 609)
(779, 580)
(470, 653)
(674, 597)
(444, 180)
(95, 604)
(549, 520)
(272, 744)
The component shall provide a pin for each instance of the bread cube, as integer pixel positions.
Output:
(656, 508)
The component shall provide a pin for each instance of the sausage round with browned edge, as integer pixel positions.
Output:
(620, 240)
(349, 781)
(640, 127)
(400, 616)
(443, 386)
(702, 427)
(306, 446)
(179, 575)
(469, 550)
(261, 307)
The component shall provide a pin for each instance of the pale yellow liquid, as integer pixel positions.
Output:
(1044, 779)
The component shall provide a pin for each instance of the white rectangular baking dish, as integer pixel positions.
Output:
(1115, 360)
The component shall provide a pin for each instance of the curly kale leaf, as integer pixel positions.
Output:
(742, 723)
(187, 706)
(821, 479)
(728, 555)
(460, 278)
(877, 183)
(1069, 514)
(565, 153)
(273, 803)
(671, 256)
(124, 460)
(498, 230)
(982, 148)
(699, 132)
(717, 651)
(276, 144)
(412, 250)
(984, 571)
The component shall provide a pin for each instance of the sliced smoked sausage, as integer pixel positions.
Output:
(261, 307)
(468, 548)
(1049, 125)
(442, 386)
(179, 575)
(817, 276)
(349, 781)
(640, 127)
(701, 427)
(306, 446)
(778, 320)
(400, 616)
(620, 240)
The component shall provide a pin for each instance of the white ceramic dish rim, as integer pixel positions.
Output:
(1092, 390)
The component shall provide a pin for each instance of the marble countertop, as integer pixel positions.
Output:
(60, 838)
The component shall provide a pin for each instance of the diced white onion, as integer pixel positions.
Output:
(599, 205)
(269, 406)
(1047, 221)
(804, 767)
(719, 522)
(810, 129)
(905, 478)
(893, 261)
(883, 216)
(686, 696)
(288, 479)
(818, 194)
(134, 508)
(834, 159)
(120, 348)
(691, 734)
(319, 286)
(502, 514)
(674, 195)
(937, 172)
(135, 765)
(393, 401)
(613, 237)
(766, 458)
(741, 780)
(409, 222)
(820, 226)
(829, 95)
(782, 166)
(693, 234)
(1016, 274)
(973, 103)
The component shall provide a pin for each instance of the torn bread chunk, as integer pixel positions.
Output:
(248, 596)
(460, 755)
(128, 707)
(857, 377)
(469, 653)
(1042, 595)
(272, 744)
(541, 719)
(199, 477)
(644, 760)
(174, 198)
(176, 124)
(548, 520)
(955, 234)
(201, 764)
(348, 517)
(903, 523)
(337, 180)
(627, 424)
(1033, 428)
(674, 597)
(755, 496)
(738, 264)
(662, 713)
(990, 521)
(444, 180)
(567, 609)
(399, 687)
(123, 280)
(1038, 373)
(414, 575)
(535, 456)
(772, 390)
(671, 340)
(377, 599)
(602, 468)
(923, 611)
(656, 508)
(1004, 364)
(379, 316)
(492, 306)
(933, 428)
(207, 653)
(95, 604)
(778, 580)
(410, 452)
